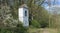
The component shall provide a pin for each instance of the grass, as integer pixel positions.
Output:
(43, 30)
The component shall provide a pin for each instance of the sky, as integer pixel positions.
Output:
(57, 2)
(55, 6)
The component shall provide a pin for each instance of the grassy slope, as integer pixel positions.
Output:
(45, 30)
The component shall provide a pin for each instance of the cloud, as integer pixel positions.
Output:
(56, 3)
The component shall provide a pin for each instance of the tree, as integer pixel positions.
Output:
(37, 12)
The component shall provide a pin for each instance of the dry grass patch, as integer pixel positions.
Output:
(41, 30)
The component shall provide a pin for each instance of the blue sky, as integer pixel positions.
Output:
(57, 2)
(52, 9)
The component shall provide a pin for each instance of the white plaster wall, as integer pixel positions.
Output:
(20, 14)
(22, 17)
(26, 21)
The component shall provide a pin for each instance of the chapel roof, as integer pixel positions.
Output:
(24, 6)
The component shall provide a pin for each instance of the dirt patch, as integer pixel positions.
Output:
(44, 31)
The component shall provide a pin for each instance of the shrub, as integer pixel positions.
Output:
(43, 24)
(40, 24)
(4, 30)
(18, 29)
(21, 29)
(34, 23)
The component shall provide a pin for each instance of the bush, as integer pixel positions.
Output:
(43, 24)
(34, 23)
(21, 29)
(18, 29)
(40, 24)
(4, 30)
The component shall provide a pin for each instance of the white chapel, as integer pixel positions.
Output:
(23, 14)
